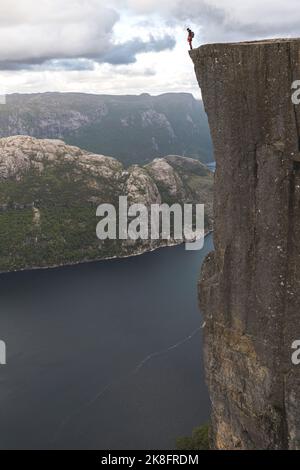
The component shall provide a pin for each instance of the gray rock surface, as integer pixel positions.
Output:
(249, 290)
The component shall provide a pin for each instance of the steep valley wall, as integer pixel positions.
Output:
(250, 285)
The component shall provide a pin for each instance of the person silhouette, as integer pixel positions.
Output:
(191, 36)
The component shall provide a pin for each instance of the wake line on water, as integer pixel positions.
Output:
(133, 373)
(165, 351)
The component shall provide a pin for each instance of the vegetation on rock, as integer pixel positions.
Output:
(198, 441)
(49, 193)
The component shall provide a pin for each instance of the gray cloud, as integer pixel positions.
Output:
(120, 54)
(49, 64)
(128, 72)
(226, 20)
(56, 35)
(54, 30)
(76, 35)
(126, 53)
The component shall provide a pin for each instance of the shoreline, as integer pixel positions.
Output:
(110, 258)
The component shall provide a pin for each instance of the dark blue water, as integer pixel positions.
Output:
(211, 166)
(104, 355)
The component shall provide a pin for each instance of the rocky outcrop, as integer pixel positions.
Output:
(49, 193)
(249, 291)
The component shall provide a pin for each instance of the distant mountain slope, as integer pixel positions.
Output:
(134, 129)
(49, 193)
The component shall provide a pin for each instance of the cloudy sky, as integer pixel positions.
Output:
(124, 46)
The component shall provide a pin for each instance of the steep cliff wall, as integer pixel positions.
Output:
(249, 290)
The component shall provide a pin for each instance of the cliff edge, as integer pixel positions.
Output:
(249, 290)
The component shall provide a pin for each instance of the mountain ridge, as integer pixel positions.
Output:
(132, 128)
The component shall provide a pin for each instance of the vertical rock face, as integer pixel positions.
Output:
(250, 286)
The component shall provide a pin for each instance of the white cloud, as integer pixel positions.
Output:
(66, 41)
(41, 29)
(35, 32)
(226, 19)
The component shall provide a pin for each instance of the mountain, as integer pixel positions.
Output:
(49, 193)
(249, 289)
(134, 129)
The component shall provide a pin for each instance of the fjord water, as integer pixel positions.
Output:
(104, 355)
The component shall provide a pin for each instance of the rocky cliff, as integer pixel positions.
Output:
(49, 193)
(249, 290)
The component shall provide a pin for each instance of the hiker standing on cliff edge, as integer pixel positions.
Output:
(190, 37)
